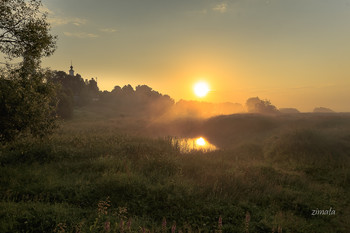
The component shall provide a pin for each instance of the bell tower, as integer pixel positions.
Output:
(71, 71)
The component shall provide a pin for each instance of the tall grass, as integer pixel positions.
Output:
(64, 183)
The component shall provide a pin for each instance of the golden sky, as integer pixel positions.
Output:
(292, 52)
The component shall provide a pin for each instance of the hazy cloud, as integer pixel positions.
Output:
(44, 9)
(59, 21)
(108, 30)
(80, 34)
(222, 7)
(197, 12)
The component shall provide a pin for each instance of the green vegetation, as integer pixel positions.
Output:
(110, 170)
(98, 176)
(26, 105)
(27, 100)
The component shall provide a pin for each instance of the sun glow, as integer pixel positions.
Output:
(201, 89)
(200, 141)
(187, 145)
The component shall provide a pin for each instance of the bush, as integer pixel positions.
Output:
(308, 147)
(27, 105)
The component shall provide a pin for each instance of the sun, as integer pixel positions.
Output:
(201, 89)
(200, 141)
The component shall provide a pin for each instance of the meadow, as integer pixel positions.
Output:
(285, 173)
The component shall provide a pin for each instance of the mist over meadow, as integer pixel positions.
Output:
(117, 162)
(75, 158)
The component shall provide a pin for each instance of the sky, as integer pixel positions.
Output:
(295, 53)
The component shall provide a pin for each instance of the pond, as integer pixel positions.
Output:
(187, 145)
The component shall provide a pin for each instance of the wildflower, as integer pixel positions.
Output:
(78, 227)
(247, 217)
(279, 229)
(103, 207)
(247, 220)
(128, 225)
(122, 211)
(164, 225)
(107, 226)
(220, 223)
(121, 226)
(173, 228)
(60, 228)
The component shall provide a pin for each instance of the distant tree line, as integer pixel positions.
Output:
(73, 92)
(141, 100)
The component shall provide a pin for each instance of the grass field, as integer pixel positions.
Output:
(125, 175)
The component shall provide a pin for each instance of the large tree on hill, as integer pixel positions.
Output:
(27, 100)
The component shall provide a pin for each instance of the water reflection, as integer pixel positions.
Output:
(186, 145)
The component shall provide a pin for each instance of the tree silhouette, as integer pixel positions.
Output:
(93, 88)
(256, 105)
(323, 110)
(24, 32)
(26, 105)
(27, 99)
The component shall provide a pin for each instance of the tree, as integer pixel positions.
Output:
(128, 90)
(27, 99)
(24, 31)
(256, 105)
(27, 106)
(65, 103)
(323, 110)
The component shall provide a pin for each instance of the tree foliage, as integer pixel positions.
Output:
(24, 31)
(65, 103)
(27, 100)
(256, 105)
(323, 110)
(142, 100)
(27, 106)
(74, 91)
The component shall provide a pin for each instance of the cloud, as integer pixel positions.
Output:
(80, 35)
(197, 12)
(59, 21)
(108, 30)
(222, 7)
(44, 9)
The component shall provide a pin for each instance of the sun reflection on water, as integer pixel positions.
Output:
(200, 141)
(193, 144)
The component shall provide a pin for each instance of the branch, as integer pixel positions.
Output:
(13, 26)
(7, 41)
(4, 34)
